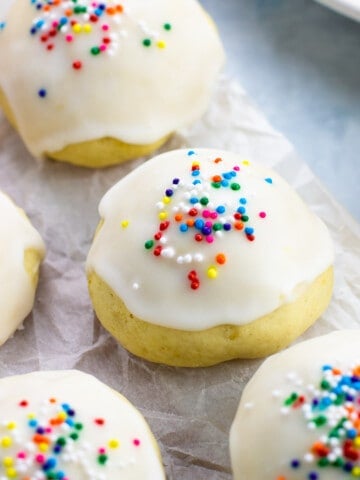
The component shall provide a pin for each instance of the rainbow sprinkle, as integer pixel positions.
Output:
(333, 408)
(40, 446)
(188, 208)
(67, 20)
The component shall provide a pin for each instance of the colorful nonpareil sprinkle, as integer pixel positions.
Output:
(99, 21)
(46, 439)
(331, 408)
(2, 26)
(192, 208)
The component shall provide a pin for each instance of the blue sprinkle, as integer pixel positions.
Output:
(195, 173)
(60, 475)
(199, 223)
(69, 422)
(220, 209)
(241, 210)
(57, 449)
(351, 433)
(194, 200)
(295, 463)
(65, 407)
(326, 367)
(169, 192)
(206, 230)
(191, 152)
(49, 464)
(39, 24)
(42, 93)
(233, 174)
(224, 183)
(249, 230)
(176, 181)
(313, 476)
(33, 30)
(268, 180)
(40, 430)
(196, 182)
(227, 227)
(348, 467)
(243, 201)
(32, 423)
(2, 25)
(183, 227)
(227, 175)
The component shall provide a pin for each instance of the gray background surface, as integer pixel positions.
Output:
(300, 62)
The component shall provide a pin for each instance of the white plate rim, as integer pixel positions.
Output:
(350, 8)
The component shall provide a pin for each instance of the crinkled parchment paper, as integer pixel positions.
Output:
(189, 410)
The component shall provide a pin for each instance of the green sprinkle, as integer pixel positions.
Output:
(235, 186)
(95, 50)
(323, 462)
(102, 459)
(320, 420)
(204, 201)
(339, 462)
(167, 26)
(79, 426)
(291, 399)
(80, 9)
(61, 441)
(74, 435)
(245, 218)
(325, 385)
(149, 244)
(147, 42)
(216, 184)
(217, 227)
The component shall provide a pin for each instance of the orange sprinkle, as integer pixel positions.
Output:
(216, 178)
(68, 13)
(190, 222)
(336, 371)
(178, 217)
(218, 160)
(110, 11)
(52, 400)
(220, 258)
(37, 438)
(356, 371)
(119, 8)
(281, 477)
(320, 449)
(239, 225)
(46, 8)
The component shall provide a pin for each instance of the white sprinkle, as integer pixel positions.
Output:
(276, 393)
(198, 257)
(285, 411)
(249, 405)
(135, 286)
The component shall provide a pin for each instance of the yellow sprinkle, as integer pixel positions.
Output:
(356, 471)
(113, 443)
(11, 425)
(8, 462)
(31, 416)
(166, 200)
(357, 442)
(245, 162)
(62, 415)
(43, 447)
(6, 442)
(87, 28)
(161, 44)
(11, 472)
(212, 272)
(163, 215)
(125, 223)
(76, 28)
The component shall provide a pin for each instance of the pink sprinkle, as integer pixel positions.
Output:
(69, 38)
(102, 48)
(136, 442)
(206, 214)
(55, 24)
(105, 28)
(21, 455)
(237, 168)
(48, 430)
(214, 215)
(210, 239)
(102, 450)
(208, 224)
(262, 214)
(40, 458)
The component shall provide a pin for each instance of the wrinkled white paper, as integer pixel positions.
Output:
(189, 410)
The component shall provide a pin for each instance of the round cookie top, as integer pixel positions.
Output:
(17, 290)
(298, 418)
(199, 238)
(133, 70)
(67, 425)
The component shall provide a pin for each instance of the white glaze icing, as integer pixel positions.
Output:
(291, 247)
(265, 439)
(16, 289)
(104, 423)
(130, 92)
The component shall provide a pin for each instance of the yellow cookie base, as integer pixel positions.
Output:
(181, 348)
(99, 153)
(32, 260)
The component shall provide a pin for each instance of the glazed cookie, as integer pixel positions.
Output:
(67, 425)
(99, 82)
(298, 418)
(21, 251)
(203, 256)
